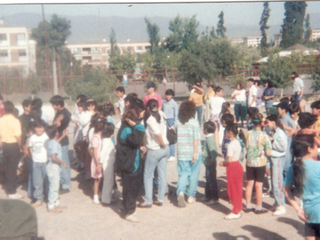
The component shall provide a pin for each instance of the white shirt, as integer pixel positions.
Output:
(155, 128)
(234, 150)
(297, 85)
(216, 104)
(38, 145)
(253, 91)
(84, 121)
(107, 154)
(241, 97)
(121, 105)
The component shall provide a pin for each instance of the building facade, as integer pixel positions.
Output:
(17, 50)
(315, 34)
(97, 53)
(253, 41)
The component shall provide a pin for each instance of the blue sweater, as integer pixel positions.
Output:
(170, 109)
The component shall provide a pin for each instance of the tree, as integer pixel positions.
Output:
(183, 33)
(278, 69)
(308, 32)
(264, 27)
(221, 29)
(153, 33)
(212, 34)
(126, 62)
(292, 27)
(33, 83)
(316, 75)
(114, 49)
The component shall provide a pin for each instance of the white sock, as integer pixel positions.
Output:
(96, 197)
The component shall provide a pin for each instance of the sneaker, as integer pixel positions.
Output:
(204, 199)
(181, 202)
(132, 218)
(231, 216)
(38, 203)
(266, 195)
(171, 159)
(212, 202)
(191, 200)
(15, 196)
(247, 210)
(96, 201)
(279, 211)
(55, 210)
(262, 211)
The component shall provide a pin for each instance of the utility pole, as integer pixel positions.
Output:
(54, 74)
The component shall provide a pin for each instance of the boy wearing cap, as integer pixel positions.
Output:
(289, 127)
(152, 94)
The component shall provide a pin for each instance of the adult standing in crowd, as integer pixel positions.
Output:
(297, 86)
(240, 105)
(189, 153)
(257, 83)
(151, 88)
(61, 120)
(37, 112)
(10, 139)
(128, 159)
(157, 153)
(252, 93)
(268, 94)
(210, 93)
(197, 97)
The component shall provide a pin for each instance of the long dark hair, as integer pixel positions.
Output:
(275, 118)
(299, 148)
(233, 127)
(152, 110)
(187, 111)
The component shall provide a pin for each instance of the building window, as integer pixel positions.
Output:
(76, 50)
(22, 55)
(3, 37)
(21, 37)
(4, 57)
(96, 57)
(96, 50)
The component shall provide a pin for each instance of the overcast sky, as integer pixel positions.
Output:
(207, 13)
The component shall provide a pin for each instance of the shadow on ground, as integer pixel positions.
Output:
(296, 224)
(261, 233)
(227, 236)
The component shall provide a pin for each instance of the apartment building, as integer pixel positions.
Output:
(97, 53)
(237, 40)
(17, 50)
(253, 41)
(315, 34)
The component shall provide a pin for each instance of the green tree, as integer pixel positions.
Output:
(153, 33)
(33, 83)
(95, 84)
(183, 33)
(221, 29)
(316, 76)
(263, 28)
(308, 29)
(126, 61)
(212, 34)
(114, 49)
(292, 27)
(278, 69)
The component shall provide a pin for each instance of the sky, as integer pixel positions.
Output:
(247, 13)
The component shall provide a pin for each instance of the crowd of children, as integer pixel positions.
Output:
(269, 147)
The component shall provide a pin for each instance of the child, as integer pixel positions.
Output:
(151, 87)
(53, 168)
(96, 166)
(240, 105)
(108, 111)
(257, 84)
(250, 112)
(294, 111)
(215, 106)
(209, 156)
(253, 91)
(170, 108)
(315, 106)
(304, 175)
(234, 171)
(278, 152)
(196, 97)
(39, 157)
(258, 148)
(29, 131)
(121, 95)
(306, 122)
(92, 106)
(107, 160)
(226, 119)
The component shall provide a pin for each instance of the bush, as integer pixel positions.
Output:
(235, 80)
(33, 83)
(95, 84)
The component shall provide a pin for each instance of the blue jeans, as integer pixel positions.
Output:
(172, 146)
(268, 104)
(288, 157)
(155, 159)
(297, 97)
(199, 114)
(211, 189)
(188, 173)
(39, 179)
(65, 173)
(53, 173)
(30, 179)
(277, 179)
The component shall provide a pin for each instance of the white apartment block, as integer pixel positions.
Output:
(277, 38)
(237, 40)
(97, 53)
(253, 41)
(315, 34)
(17, 50)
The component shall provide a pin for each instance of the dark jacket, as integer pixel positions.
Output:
(129, 140)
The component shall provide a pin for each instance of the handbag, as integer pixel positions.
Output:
(171, 134)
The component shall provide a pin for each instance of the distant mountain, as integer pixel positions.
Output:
(86, 28)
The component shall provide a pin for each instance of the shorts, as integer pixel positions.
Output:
(255, 173)
(312, 230)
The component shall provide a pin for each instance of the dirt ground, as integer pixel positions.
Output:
(85, 220)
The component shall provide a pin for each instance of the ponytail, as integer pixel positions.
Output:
(298, 175)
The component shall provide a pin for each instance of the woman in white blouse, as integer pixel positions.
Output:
(240, 106)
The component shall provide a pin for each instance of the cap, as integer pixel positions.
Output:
(283, 105)
(150, 84)
(273, 111)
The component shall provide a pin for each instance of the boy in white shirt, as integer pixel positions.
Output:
(37, 143)
(253, 91)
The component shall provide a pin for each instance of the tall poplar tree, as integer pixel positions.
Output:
(221, 29)
(154, 37)
(292, 27)
(308, 32)
(263, 28)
